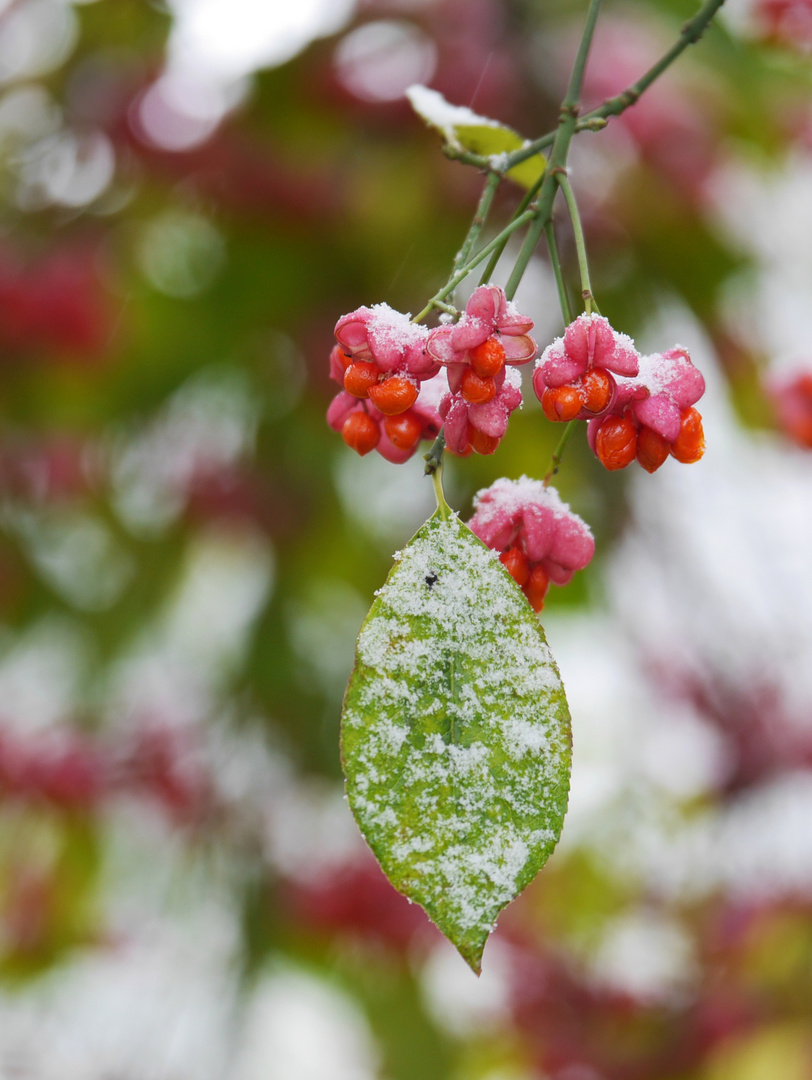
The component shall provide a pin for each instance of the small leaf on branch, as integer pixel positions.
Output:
(456, 734)
(463, 129)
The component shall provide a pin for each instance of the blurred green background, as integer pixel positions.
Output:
(191, 194)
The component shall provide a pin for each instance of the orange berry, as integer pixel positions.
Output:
(482, 443)
(488, 358)
(562, 402)
(404, 431)
(359, 377)
(536, 586)
(476, 389)
(515, 562)
(394, 395)
(689, 445)
(616, 442)
(360, 432)
(596, 386)
(652, 448)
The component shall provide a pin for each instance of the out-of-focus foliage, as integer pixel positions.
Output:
(187, 551)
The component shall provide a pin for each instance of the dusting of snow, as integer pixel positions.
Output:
(658, 372)
(441, 114)
(513, 377)
(396, 328)
(456, 721)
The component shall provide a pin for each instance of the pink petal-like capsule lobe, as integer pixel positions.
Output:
(455, 373)
(558, 575)
(421, 364)
(627, 392)
(509, 321)
(468, 333)
(557, 367)
(531, 516)
(495, 525)
(351, 333)
(439, 345)
(386, 337)
(485, 304)
(671, 383)
(340, 408)
(490, 418)
(338, 364)
(456, 424)
(589, 341)
(625, 359)
(519, 349)
(661, 414)
(687, 385)
(539, 385)
(538, 528)
(487, 314)
(395, 340)
(573, 545)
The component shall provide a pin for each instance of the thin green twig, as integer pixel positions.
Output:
(480, 217)
(580, 245)
(597, 118)
(520, 209)
(558, 154)
(558, 453)
(563, 299)
(692, 31)
(480, 256)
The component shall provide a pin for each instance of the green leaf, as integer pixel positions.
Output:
(465, 130)
(456, 734)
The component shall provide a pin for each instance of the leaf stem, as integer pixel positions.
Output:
(580, 245)
(558, 453)
(563, 299)
(443, 509)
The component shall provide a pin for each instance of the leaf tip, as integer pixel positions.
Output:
(471, 952)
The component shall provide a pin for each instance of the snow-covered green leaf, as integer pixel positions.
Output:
(464, 129)
(456, 734)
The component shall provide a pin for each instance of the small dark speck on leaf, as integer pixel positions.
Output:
(430, 579)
